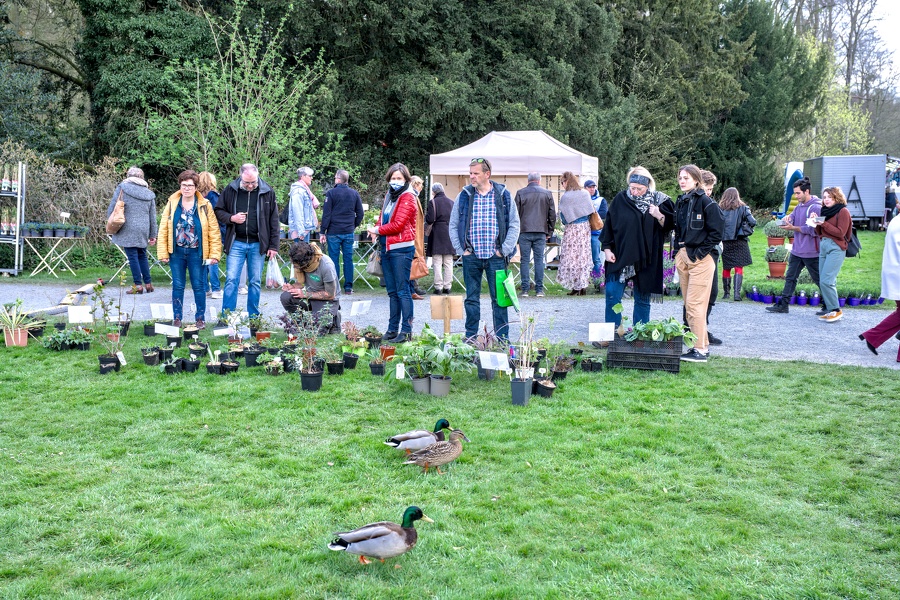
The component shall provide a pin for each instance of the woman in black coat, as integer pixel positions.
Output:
(439, 246)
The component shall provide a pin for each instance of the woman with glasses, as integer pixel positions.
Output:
(396, 235)
(637, 225)
(189, 239)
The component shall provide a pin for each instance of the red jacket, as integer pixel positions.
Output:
(400, 231)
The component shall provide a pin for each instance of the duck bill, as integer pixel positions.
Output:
(465, 438)
(426, 519)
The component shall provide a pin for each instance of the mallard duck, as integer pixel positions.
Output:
(418, 439)
(381, 540)
(438, 453)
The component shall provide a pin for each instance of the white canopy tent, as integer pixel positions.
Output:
(513, 154)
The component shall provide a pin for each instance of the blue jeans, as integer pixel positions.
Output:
(342, 243)
(396, 265)
(614, 291)
(213, 272)
(140, 268)
(831, 257)
(191, 260)
(595, 252)
(528, 242)
(239, 253)
(473, 269)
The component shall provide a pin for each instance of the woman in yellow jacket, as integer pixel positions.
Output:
(189, 239)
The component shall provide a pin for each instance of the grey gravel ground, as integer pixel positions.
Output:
(746, 328)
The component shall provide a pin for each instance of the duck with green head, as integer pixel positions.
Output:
(438, 453)
(418, 439)
(381, 540)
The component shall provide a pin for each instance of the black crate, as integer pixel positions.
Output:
(670, 348)
(644, 361)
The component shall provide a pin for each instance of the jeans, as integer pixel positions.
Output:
(831, 257)
(528, 242)
(191, 260)
(614, 291)
(213, 272)
(795, 265)
(473, 269)
(596, 255)
(240, 253)
(140, 268)
(396, 265)
(342, 243)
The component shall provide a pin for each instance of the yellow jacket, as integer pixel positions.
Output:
(210, 236)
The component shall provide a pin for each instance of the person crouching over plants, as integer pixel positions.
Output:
(315, 288)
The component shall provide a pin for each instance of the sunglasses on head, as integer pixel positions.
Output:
(480, 161)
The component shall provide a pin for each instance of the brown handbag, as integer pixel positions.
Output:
(419, 268)
(595, 221)
(117, 217)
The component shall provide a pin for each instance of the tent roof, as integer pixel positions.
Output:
(516, 153)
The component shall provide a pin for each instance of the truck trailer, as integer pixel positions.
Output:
(864, 180)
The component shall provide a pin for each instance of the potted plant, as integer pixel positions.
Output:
(450, 354)
(655, 345)
(376, 363)
(372, 336)
(171, 366)
(416, 365)
(486, 342)
(252, 352)
(149, 327)
(777, 257)
(78, 339)
(273, 364)
(334, 359)
(544, 387)
(150, 355)
(775, 234)
(16, 323)
(306, 328)
(214, 366)
(523, 359)
(561, 367)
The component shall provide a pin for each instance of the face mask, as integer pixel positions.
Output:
(397, 186)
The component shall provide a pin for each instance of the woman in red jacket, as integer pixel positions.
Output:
(396, 233)
(834, 233)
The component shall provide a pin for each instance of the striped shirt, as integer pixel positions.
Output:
(484, 229)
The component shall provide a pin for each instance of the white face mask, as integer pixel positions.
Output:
(397, 185)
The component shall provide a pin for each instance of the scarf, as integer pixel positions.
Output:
(642, 203)
(136, 181)
(315, 201)
(309, 267)
(575, 205)
(830, 211)
(390, 201)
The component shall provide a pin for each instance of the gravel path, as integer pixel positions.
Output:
(747, 329)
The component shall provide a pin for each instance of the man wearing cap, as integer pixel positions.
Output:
(537, 218)
(602, 208)
(484, 229)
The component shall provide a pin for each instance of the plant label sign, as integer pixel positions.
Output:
(80, 314)
(601, 332)
(360, 307)
(497, 361)
(401, 371)
(222, 331)
(121, 356)
(166, 329)
(161, 312)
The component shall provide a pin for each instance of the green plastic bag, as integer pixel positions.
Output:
(506, 289)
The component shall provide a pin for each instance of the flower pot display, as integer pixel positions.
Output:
(173, 339)
(376, 368)
(311, 382)
(775, 241)
(559, 375)
(189, 332)
(190, 366)
(165, 354)
(544, 388)
(350, 360)
(107, 361)
(652, 356)
(440, 386)
(421, 385)
(374, 341)
(521, 391)
(151, 358)
(335, 368)
(230, 366)
(198, 347)
(15, 337)
(776, 269)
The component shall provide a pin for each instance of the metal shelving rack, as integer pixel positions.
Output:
(15, 239)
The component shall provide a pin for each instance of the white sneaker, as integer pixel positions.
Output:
(217, 295)
(242, 290)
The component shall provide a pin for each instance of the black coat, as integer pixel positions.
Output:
(637, 238)
(266, 211)
(438, 213)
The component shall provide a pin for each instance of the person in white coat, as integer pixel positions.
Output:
(890, 290)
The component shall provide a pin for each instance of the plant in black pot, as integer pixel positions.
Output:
(372, 336)
(173, 366)
(334, 359)
(191, 363)
(150, 355)
(523, 360)
(273, 364)
(305, 327)
(252, 352)
(376, 363)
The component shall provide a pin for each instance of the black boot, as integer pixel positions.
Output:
(738, 283)
(781, 307)
(726, 287)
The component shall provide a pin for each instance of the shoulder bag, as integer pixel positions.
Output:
(746, 229)
(595, 221)
(419, 268)
(117, 217)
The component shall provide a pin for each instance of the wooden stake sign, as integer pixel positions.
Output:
(447, 308)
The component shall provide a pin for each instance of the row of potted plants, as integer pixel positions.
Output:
(49, 230)
(770, 294)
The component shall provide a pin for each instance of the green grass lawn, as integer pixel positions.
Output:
(738, 478)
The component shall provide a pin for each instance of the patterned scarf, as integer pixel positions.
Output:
(309, 267)
(642, 203)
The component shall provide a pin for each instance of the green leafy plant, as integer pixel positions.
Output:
(656, 330)
(13, 316)
(449, 355)
(777, 254)
(771, 229)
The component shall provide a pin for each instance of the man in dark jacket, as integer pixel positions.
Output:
(537, 218)
(248, 210)
(341, 215)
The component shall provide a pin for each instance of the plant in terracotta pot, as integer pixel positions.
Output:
(776, 234)
(16, 322)
(777, 257)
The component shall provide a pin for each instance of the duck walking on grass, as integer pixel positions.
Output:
(419, 439)
(438, 453)
(381, 540)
